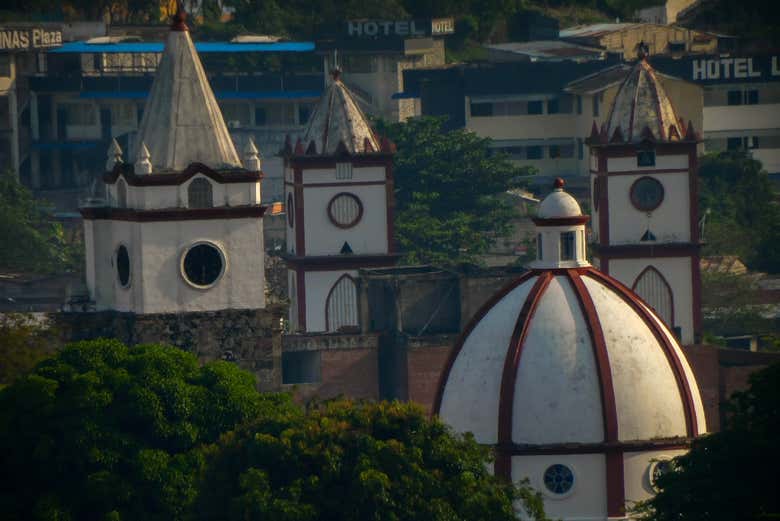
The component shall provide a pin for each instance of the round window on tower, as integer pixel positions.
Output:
(558, 480)
(203, 264)
(647, 193)
(345, 210)
(123, 266)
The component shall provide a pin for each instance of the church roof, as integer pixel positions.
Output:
(642, 110)
(336, 120)
(182, 123)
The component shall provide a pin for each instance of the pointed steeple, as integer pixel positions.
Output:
(114, 155)
(252, 160)
(143, 162)
(182, 123)
(337, 118)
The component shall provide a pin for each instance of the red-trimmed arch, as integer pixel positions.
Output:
(652, 269)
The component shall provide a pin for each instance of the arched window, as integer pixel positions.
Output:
(341, 305)
(121, 194)
(199, 194)
(656, 292)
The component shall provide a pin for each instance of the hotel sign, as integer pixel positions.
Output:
(735, 68)
(399, 28)
(21, 39)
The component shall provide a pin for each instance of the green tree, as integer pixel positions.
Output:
(352, 462)
(104, 431)
(737, 198)
(731, 474)
(32, 241)
(24, 341)
(447, 186)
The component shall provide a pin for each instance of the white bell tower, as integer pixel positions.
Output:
(339, 206)
(643, 167)
(182, 228)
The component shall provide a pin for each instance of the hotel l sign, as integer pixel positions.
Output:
(403, 28)
(29, 38)
(731, 68)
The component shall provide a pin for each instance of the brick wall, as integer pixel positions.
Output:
(425, 361)
(704, 363)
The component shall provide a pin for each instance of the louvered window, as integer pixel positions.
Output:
(655, 291)
(341, 306)
(199, 194)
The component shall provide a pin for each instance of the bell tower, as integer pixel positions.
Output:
(339, 205)
(643, 168)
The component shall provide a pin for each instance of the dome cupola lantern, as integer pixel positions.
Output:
(560, 231)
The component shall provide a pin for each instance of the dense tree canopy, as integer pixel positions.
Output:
(103, 431)
(447, 183)
(32, 241)
(351, 461)
(731, 474)
(738, 200)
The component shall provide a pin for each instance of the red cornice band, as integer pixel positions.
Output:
(172, 214)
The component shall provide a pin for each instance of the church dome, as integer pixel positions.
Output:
(571, 376)
(558, 204)
(642, 110)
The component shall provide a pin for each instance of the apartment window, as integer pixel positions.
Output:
(304, 111)
(735, 97)
(596, 99)
(509, 108)
(236, 114)
(513, 152)
(481, 110)
(676, 46)
(123, 115)
(752, 142)
(535, 152)
(81, 114)
(734, 143)
(751, 97)
(567, 246)
(580, 149)
(579, 104)
(553, 106)
(260, 117)
(555, 151)
(535, 107)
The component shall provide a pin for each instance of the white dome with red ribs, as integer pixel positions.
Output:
(569, 356)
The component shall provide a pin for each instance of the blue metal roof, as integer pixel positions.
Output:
(203, 47)
(223, 95)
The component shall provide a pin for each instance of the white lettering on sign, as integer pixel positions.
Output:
(730, 68)
(29, 38)
(442, 26)
(751, 71)
(740, 68)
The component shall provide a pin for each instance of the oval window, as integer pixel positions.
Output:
(123, 266)
(647, 194)
(345, 210)
(203, 265)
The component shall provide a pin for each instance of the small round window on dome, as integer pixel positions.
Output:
(559, 479)
(657, 469)
(123, 266)
(203, 265)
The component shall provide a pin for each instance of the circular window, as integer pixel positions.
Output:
(123, 266)
(559, 479)
(345, 210)
(647, 194)
(657, 469)
(290, 211)
(203, 265)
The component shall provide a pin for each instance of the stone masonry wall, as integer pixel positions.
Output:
(251, 338)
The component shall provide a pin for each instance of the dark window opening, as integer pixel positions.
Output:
(752, 97)
(123, 266)
(260, 117)
(567, 246)
(203, 265)
(481, 109)
(735, 97)
(555, 151)
(645, 158)
(534, 152)
(553, 106)
(596, 105)
(199, 194)
(734, 143)
(535, 107)
(676, 46)
(300, 367)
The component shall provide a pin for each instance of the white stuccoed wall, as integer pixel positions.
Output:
(636, 466)
(318, 285)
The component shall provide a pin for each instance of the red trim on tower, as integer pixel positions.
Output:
(676, 364)
(503, 465)
(300, 241)
(616, 497)
(479, 315)
(300, 281)
(172, 214)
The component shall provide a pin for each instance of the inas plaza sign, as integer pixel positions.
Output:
(26, 38)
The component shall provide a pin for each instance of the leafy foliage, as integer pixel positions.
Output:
(447, 209)
(730, 474)
(355, 461)
(732, 304)
(738, 199)
(104, 431)
(31, 241)
(24, 341)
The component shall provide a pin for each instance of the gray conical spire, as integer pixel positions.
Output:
(182, 123)
(252, 159)
(143, 162)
